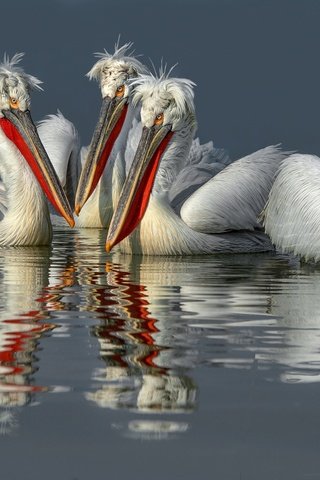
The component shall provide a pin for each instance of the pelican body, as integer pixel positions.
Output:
(27, 175)
(219, 217)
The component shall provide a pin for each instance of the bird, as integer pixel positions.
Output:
(219, 217)
(291, 214)
(26, 173)
(105, 163)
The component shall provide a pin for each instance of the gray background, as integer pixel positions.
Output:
(255, 62)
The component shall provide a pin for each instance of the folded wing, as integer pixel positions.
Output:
(234, 198)
(203, 163)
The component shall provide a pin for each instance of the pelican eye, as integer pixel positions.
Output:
(120, 91)
(159, 119)
(14, 103)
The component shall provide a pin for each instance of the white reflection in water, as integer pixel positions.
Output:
(155, 429)
(149, 394)
(287, 333)
(298, 309)
(151, 429)
(8, 421)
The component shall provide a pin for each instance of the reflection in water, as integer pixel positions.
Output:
(154, 429)
(159, 318)
(24, 274)
(27, 303)
(154, 322)
(270, 318)
(297, 306)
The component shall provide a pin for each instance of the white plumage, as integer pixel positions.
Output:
(15, 82)
(217, 207)
(231, 201)
(291, 216)
(26, 220)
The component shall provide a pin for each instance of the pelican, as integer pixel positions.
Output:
(219, 217)
(291, 215)
(26, 172)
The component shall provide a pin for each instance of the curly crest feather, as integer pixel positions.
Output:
(180, 90)
(11, 73)
(122, 57)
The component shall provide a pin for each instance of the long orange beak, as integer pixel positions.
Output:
(20, 129)
(137, 188)
(112, 116)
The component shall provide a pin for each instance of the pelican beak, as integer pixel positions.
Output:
(20, 129)
(112, 115)
(137, 188)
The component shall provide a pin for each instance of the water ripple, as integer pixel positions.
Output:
(139, 328)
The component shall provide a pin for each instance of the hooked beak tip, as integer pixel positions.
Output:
(109, 246)
(71, 222)
(77, 209)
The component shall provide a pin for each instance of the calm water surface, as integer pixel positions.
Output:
(157, 368)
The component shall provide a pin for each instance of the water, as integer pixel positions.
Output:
(162, 368)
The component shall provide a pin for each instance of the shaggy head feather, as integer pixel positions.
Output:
(113, 70)
(15, 83)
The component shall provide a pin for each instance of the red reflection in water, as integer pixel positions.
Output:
(19, 338)
(127, 322)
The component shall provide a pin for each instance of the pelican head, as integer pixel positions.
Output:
(114, 72)
(167, 110)
(165, 101)
(17, 125)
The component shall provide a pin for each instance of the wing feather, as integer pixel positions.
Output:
(291, 216)
(203, 163)
(234, 198)
(134, 136)
(207, 153)
(3, 200)
(61, 141)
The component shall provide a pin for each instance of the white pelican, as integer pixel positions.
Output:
(229, 202)
(24, 211)
(291, 216)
